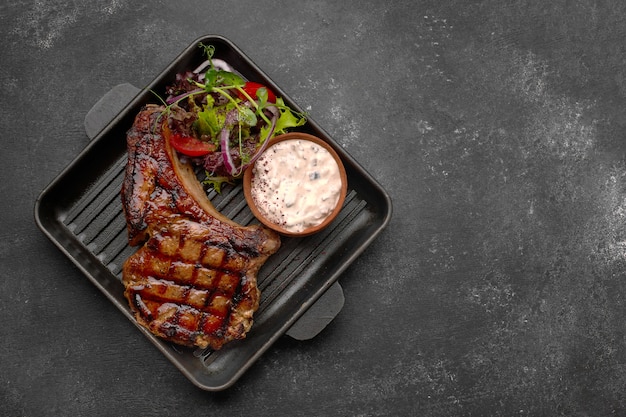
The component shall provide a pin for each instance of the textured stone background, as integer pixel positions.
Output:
(497, 128)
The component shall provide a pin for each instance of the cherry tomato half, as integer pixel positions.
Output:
(251, 88)
(191, 146)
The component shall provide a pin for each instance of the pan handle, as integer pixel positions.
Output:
(109, 106)
(319, 315)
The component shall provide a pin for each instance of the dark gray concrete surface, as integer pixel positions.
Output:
(497, 289)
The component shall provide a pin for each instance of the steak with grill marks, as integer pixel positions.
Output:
(194, 280)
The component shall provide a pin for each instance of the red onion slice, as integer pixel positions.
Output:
(182, 96)
(217, 63)
(225, 146)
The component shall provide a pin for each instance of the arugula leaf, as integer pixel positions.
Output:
(207, 123)
(288, 118)
(216, 182)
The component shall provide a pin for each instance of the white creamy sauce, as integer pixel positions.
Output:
(296, 184)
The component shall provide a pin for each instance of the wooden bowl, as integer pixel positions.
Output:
(249, 175)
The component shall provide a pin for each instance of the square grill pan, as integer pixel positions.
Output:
(81, 213)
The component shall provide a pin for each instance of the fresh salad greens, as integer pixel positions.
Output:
(222, 121)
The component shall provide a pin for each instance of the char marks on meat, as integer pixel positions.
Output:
(194, 280)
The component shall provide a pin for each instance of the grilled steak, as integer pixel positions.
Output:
(193, 282)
